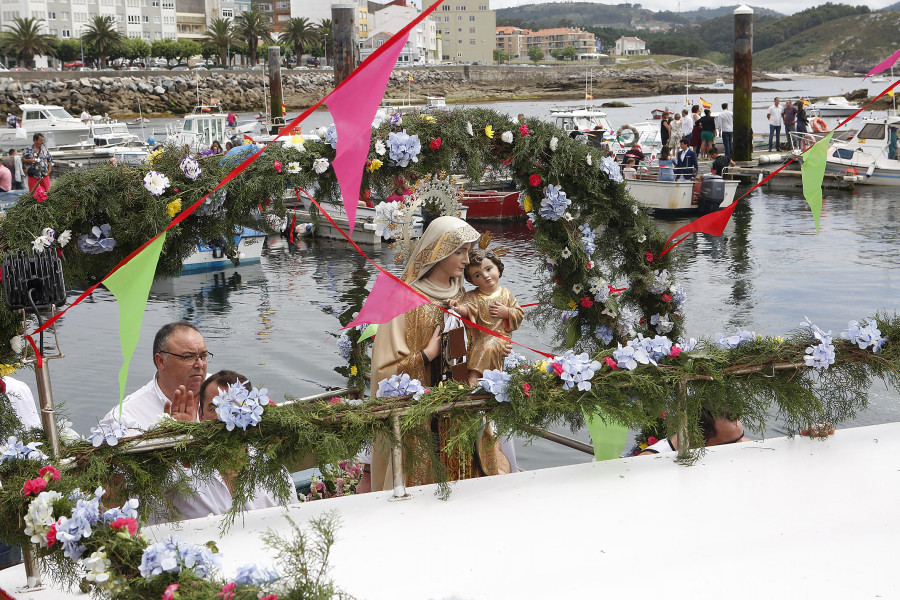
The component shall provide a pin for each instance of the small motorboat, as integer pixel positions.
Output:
(682, 196)
(492, 205)
(836, 106)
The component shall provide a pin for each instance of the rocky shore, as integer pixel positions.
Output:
(176, 93)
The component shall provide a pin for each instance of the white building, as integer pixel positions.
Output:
(630, 46)
(423, 45)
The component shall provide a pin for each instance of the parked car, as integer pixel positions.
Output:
(18, 69)
(180, 68)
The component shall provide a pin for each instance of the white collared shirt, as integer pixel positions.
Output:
(22, 401)
(141, 410)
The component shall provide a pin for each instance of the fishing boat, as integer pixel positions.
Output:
(676, 196)
(836, 106)
(199, 129)
(210, 256)
(720, 83)
(492, 205)
(871, 155)
(579, 121)
(657, 113)
(878, 79)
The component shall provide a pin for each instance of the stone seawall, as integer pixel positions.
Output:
(176, 92)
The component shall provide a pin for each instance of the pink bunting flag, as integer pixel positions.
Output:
(388, 299)
(353, 107)
(884, 65)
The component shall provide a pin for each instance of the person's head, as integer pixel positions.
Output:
(228, 146)
(721, 430)
(724, 106)
(521, 118)
(713, 152)
(214, 385)
(630, 162)
(664, 153)
(685, 142)
(707, 112)
(695, 108)
(798, 104)
(442, 253)
(684, 112)
(38, 140)
(776, 101)
(216, 147)
(157, 147)
(484, 270)
(12, 151)
(180, 356)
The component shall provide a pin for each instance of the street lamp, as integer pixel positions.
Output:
(81, 43)
(326, 47)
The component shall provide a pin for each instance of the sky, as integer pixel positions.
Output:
(688, 5)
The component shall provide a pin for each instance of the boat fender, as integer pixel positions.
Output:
(766, 159)
(818, 125)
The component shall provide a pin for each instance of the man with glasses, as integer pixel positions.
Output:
(180, 356)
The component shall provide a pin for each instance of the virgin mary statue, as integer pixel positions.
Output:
(409, 342)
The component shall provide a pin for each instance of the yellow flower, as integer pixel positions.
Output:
(174, 207)
(7, 369)
(489, 131)
(572, 305)
(779, 339)
(151, 158)
(374, 165)
(428, 118)
(527, 204)
(541, 366)
(353, 370)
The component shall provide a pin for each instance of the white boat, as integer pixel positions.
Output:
(577, 121)
(207, 256)
(837, 106)
(871, 156)
(720, 83)
(585, 544)
(646, 134)
(60, 129)
(878, 79)
(670, 196)
(199, 129)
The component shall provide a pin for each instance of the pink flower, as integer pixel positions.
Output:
(51, 470)
(587, 302)
(557, 368)
(589, 265)
(227, 592)
(611, 363)
(651, 440)
(51, 535)
(435, 143)
(34, 486)
(676, 351)
(526, 387)
(507, 161)
(277, 166)
(667, 298)
(40, 194)
(128, 524)
(529, 225)
(534, 180)
(334, 400)
(523, 129)
(169, 594)
(649, 256)
(269, 597)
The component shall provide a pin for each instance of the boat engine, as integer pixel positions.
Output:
(712, 193)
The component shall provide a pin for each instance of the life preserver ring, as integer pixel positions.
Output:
(850, 172)
(818, 125)
(635, 135)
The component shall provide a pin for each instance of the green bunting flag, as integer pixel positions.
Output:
(131, 287)
(368, 332)
(813, 170)
(608, 438)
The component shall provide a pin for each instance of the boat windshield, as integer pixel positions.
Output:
(59, 113)
(871, 131)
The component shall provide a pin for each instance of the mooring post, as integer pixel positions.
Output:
(684, 441)
(275, 93)
(399, 473)
(345, 46)
(743, 84)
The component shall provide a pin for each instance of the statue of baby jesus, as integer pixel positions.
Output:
(491, 306)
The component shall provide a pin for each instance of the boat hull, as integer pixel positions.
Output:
(673, 196)
(250, 244)
(492, 205)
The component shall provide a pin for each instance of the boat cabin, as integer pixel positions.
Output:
(580, 120)
(199, 130)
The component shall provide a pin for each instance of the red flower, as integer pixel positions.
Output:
(587, 302)
(34, 486)
(51, 535)
(589, 265)
(663, 415)
(58, 253)
(227, 592)
(125, 523)
(667, 298)
(523, 129)
(651, 440)
(676, 351)
(611, 363)
(529, 225)
(334, 400)
(51, 470)
(277, 165)
(169, 594)
(557, 368)
(526, 387)
(649, 256)
(506, 161)
(534, 180)
(269, 597)
(558, 281)
(40, 194)
(435, 143)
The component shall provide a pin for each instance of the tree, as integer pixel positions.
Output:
(569, 53)
(556, 53)
(536, 54)
(68, 50)
(220, 35)
(136, 49)
(167, 49)
(102, 33)
(299, 33)
(325, 30)
(186, 49)
(251, 26)
(25, 40)
(500, 56)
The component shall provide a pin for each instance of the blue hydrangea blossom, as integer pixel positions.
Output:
(345, 345)
(609, 166)
(253, 574)
(554, 203)
(238, 407)
(497, 383)
(866, 336)
(15, 449)
(331, 136)
(660, 282)
(404, 148)
(110, 433)
(662, 323)
(727, 343)
(126, 511)
(399, 385)
(820, 354)
(587, 238)
(577, 370)
(514, 361)
(70, 531)
(174, 554)
(604, 333)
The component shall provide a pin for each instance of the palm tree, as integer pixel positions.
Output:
(299, 32)
(253, 25)
(102, 33)
(25, 40)
(326, 32)
(220, 35)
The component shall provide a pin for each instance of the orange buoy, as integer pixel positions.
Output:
(818, 125)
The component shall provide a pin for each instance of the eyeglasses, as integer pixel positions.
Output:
(190, 359)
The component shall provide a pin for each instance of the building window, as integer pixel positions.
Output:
(471, 42)
(459, 55)
(52, 15)
(134, 19)
(227, 13)
(66, 33)
(472, 30)
(482, 7)
(146, 35)
(445, 7)
(471, 17)
(446, 19)
(146, 18)
(460, 8)
(459, 17)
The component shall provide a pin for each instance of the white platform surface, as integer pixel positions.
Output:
(780, 518)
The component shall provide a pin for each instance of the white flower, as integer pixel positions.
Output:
(577, 288)
(293, 167)
(590, 160)
(39, 517)
(321, 131)
(39, 244)
(507, 137)
(49, 233)
(469, 129)
(156, 183)
(17, 343)
(642, 239)
(296, 142)
(567, 216)
(553, 143)
(320, 165)
(380, 148)
(634, 209)
(97, 566)
(566, 253)
(64, 238)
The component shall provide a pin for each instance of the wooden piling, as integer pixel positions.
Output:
(275, 93)
(345, 46)
(743, 83)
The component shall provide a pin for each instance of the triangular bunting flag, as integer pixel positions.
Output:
(885, 64)
(813, 170)
(388, 299)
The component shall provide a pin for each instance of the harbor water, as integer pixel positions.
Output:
(275, 321)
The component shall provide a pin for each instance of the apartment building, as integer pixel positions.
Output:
(422, 46)
(512, 40)
(468, 30)
(317, 10)
(558, 38)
